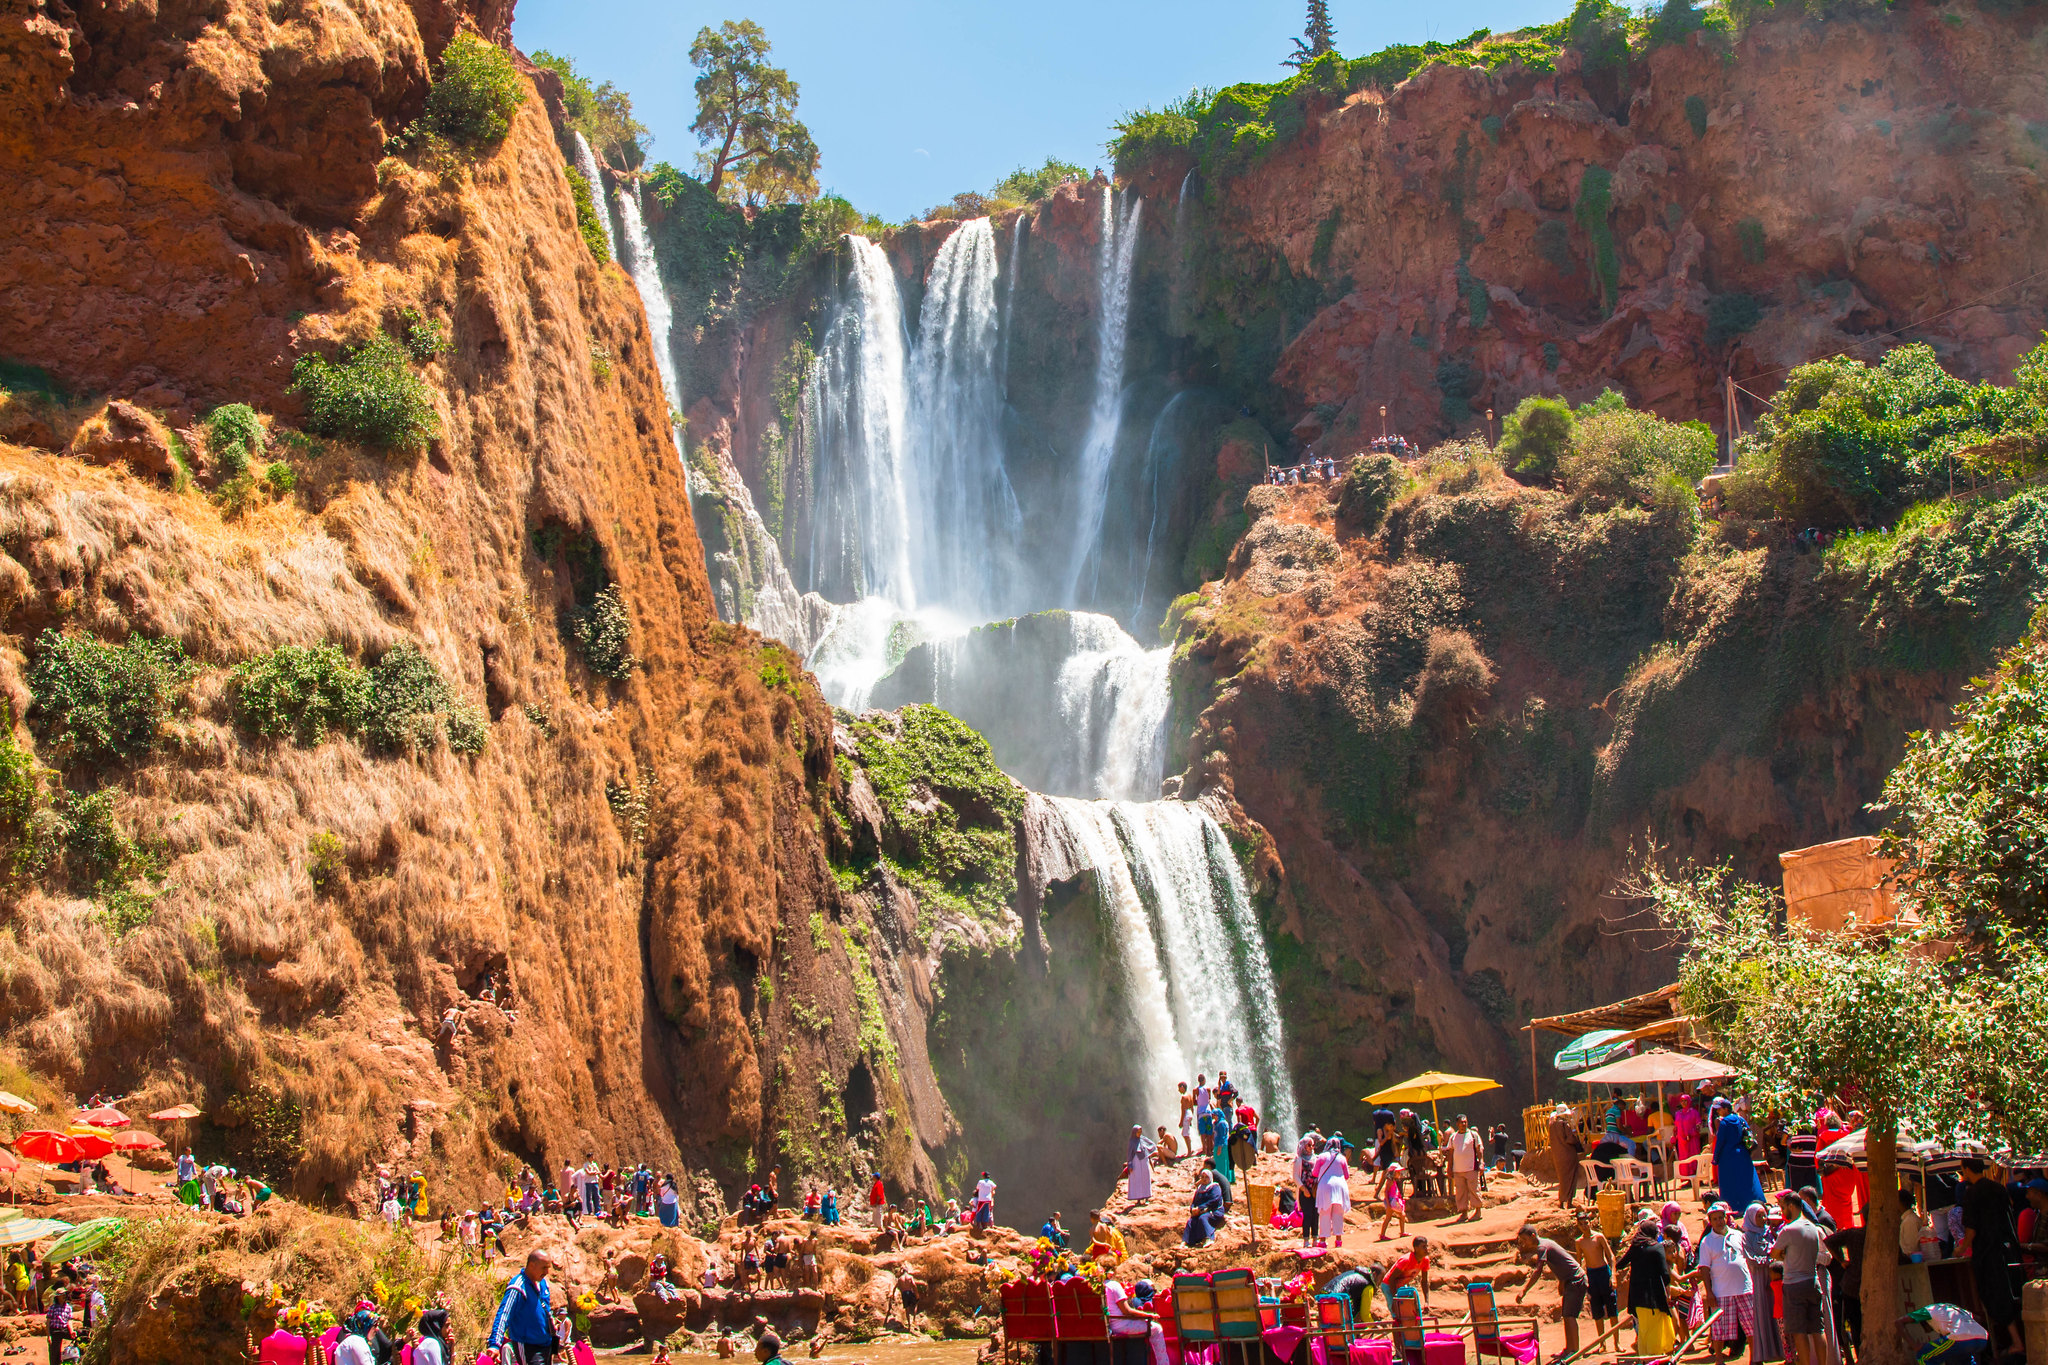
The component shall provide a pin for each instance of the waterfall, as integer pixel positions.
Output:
(1155, 455)
(1114, 258)
(966, 512)
(1194, 970)
(1112, 697)
(586, 161)
(857, 405)
(748, 578)
(640, 264)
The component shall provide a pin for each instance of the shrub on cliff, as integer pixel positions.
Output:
(1849, 444)
(370, 396)
(1370, 486)
(234, 436)
(604, 634)
(1536, 436)
(299, 692)
(1026, 186)
(408, 696)
(1455, 683)
(96, 702)
(588, 223)
(1629, 456)
(472, 103)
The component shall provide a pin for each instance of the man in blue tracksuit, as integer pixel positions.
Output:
(522, 1329)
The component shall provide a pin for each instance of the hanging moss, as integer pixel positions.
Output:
(1595, 203)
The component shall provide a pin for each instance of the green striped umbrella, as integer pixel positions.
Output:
(85, 1237)
(1589, 1049)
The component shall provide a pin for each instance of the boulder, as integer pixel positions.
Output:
(126, 434)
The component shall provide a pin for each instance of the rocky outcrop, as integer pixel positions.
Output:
(1456, 737)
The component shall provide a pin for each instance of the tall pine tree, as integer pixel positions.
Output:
(1321, 35)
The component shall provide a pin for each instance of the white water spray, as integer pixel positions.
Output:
(1118, 251)
(640, 264)
(1195, 973)
(586, 161)
(1113, 697)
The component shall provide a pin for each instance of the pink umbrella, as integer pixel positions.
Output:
(104, 1117)
(136, 1141)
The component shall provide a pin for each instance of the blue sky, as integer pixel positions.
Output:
(912, 101)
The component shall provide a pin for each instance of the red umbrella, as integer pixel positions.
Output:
(104, 1117)
(9, 1161)
(91, 1144)
(136, 1140)
(41, 1145)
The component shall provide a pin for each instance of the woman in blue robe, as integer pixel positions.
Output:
(1734, 1167)
(1206, 1218)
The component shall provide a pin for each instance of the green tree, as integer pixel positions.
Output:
(756, 149)
(602, 113)
(1536, 436)
(478, 92)
(1318, 38)
(1627, 456)
(1921, 1035)
(1026, 186)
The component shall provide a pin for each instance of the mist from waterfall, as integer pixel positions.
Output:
(1115, 256)
(1194, 971)
(586, 162)
(1111, 727)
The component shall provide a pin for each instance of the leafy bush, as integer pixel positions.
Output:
(234, 436)
(1026, 186)
(370, 396)
(300, 693)
(1626, 456)
(1370, 486)
(96, 702)
(326, 856)
(604, 634)
(280, 478)
(1849, 444)
(96, 846)
(1536, 436)
(1696, 114)
(407, 694)
(469, 728)
(424, 337)
(1455, 682)
(479, 90)
(1599, 30)
(587, 221)
(602, 113)
(1731, 315)
(600, 361)
(21, 799)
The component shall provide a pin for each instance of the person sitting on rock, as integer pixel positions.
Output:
(1052, 1232)
(1205, 1217)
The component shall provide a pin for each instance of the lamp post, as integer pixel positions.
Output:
(1383, 421)
(1489, 428)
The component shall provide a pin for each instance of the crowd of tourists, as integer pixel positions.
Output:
(1315, 469)
(1784, 1267)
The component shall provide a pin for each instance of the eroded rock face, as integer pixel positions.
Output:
(197, 197)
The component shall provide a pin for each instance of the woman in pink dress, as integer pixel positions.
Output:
(1685, 1119)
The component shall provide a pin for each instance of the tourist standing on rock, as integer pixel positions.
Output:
(1645, 1288)
(828, 1208)
(1467, 1159)
(523, 1330)
(1301, 1172)
(1735, 1157)
(878, 1199)
(1202, 1107)
(1138, 1165)
(984, 1202)
(1187, 1119)
(1541, 1253)
(1566, 1148)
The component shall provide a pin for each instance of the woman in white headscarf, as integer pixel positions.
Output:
(1139, 1164)
(1333, 1192)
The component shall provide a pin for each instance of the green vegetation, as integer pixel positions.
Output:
(369, 396)
(1026, 186)
(1730, 316)
(588, 222)
(603, 633)
(1636, 457)
(472, 102)
(299, 693)
(1696, 114)
(407, 698)
(1591, 210)
(1371, 484)
(326, 856)
(280, 478)
(756, 149)
(1318, 38)
(30, 382)
(424, 337)
(1536, 436)
(959, 853)
(1749, 240)
(1848, 444)
(94, 703)
(600, 361)
(234, 436)
(602, 113)
(100, 855)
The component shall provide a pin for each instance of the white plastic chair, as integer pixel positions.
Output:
(1633, 1176)
(1696, 1168)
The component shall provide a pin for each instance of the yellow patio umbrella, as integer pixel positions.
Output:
(1431, 1086)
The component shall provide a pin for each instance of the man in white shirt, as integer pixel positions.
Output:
(1130, 1326)
(1467, 1152)
(572, 1185)
(984, 1202)
(1202, 1107)
(1729, 1287)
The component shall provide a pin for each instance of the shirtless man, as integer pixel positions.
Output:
(807, 1258)
(1187, 1118)
(1598, 1259)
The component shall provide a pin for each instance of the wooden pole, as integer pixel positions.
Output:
(1535, 1095)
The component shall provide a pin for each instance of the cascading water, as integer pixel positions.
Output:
(1195, 973)
(747, 576)
(1113, 696)
(1119, 250)
(1159, 451)
(586, 161)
